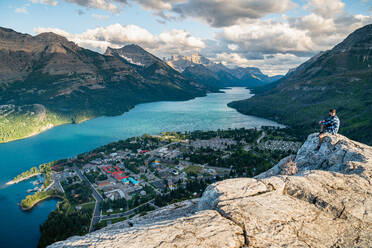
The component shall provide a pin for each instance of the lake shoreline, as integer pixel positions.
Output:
(67, 141)
(11, 182)
(51, 126)
(34, 204)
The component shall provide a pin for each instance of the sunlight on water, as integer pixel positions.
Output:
(203, 113)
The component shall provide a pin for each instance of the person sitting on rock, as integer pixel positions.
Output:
(330, 125)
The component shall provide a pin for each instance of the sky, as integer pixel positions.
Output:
(273, 35)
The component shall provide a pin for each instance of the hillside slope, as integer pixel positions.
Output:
(72, 84)
(340, 78)
(217, 75)
(200, 73)
(314, 199)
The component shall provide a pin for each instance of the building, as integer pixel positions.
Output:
(130, 180)
(133, 181)
(103, 184)
(115, 171)
(116, 194)
(158, 184)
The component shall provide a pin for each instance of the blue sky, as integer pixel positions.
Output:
(270, 34)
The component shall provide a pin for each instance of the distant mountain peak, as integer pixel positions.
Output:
(180, 62)
(133, 54)
(50, 37)
(238, 76)
(7, 30)
(362, 36)
(133, 47)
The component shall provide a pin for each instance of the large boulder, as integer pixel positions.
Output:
(325, 201)
(314, 199)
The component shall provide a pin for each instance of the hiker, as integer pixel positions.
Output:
(330, 125)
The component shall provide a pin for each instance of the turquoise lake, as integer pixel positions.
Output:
(21, 229)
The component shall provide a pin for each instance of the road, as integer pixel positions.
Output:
(97, 207)
(261, 137)
(216, 168)
(150, 185)
(127, 213)
(57, 183)
(49, 186)
(158, 149)
(59, 187)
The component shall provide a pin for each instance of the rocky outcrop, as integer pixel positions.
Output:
(133, 54)
(173, 226)
(314, 199)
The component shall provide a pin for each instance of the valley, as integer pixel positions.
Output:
(180, 134)
(340, 78)
(72, 84)
(66, 141)
(47, 81)
(185, 123)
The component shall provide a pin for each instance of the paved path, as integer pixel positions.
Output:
(49, 186)
(127, 213)
(216, 168)
(97, 196)
(261, 137)
(59, 187)
(158, 149)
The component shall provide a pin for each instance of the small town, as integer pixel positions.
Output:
(132, 177)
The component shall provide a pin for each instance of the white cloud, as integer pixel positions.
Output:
(48, 2)
(108, 5)
(266, 36)
(116, 35)
(301, 36)
(217, 13)
(325, 8)
(222, 13)
(233, 47)
(21, 10)
(273, 64)
(315, 23)
(181, 39)
(326, 32)
(277, 45)
(244, 37)
(157, 4)
(100, 17)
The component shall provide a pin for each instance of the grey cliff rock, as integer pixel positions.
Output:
(313, 199)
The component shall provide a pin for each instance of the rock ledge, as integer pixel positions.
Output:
(313, 199)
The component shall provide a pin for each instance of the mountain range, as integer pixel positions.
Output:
(339, 78)
(201, 69)
(46, 80)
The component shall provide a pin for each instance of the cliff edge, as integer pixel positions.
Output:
(313, 199)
